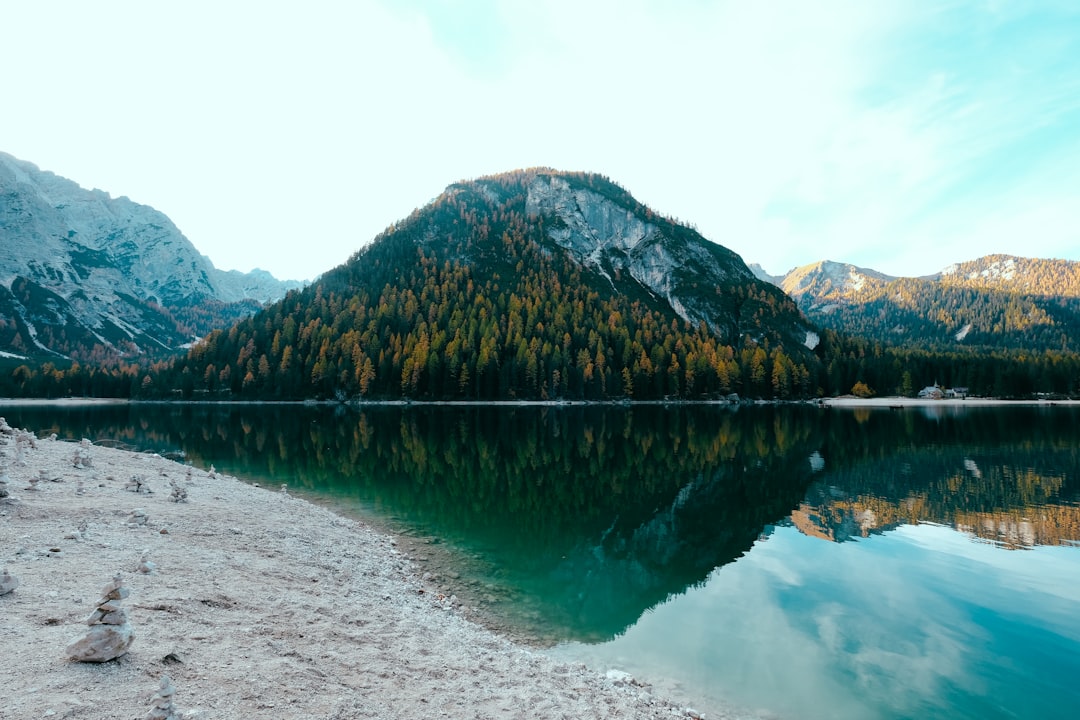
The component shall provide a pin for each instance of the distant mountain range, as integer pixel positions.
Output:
(993, 302)
(86, 276)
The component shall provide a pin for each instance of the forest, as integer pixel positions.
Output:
(950, 314)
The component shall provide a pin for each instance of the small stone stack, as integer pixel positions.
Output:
(163, 702)
(8, 582)
(179, 493)
(23, 441)
(137, 484)
(81, 459)
(4, 479)
(137, 518)
(110, 633)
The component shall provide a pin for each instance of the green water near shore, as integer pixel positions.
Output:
(813, 563)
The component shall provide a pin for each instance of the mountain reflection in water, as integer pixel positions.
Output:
(1008, 476)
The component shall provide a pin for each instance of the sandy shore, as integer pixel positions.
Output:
(261, 606)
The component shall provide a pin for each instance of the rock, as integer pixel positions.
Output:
(81, 458)
(110, 634)
(137, 484)
(179, 493)
(8, 582)
(102, 643)
(146, 565)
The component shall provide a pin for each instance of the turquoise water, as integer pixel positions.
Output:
(789, 560)
(920, 623)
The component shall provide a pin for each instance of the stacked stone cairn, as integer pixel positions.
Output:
(23, 441)
(110, 633)
(81, 459)
(179, 492)
(163, 709)
(137, 484)
(8, 582)
(4, 479)
(137, 518)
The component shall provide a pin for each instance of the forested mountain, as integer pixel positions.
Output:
(994, 303)
(532, 284)
(90, 278)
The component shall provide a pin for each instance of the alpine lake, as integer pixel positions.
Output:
(787, 561)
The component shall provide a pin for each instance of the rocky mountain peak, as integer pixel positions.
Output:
(609, 232)
(79, 267)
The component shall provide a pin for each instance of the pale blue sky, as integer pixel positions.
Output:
(902, 135)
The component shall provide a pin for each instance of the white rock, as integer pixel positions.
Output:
(8, 582)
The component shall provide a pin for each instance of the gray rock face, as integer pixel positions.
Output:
(72, 256)
(110, 633)
(697, 278)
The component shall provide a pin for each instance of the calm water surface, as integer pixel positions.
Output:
(790, 560)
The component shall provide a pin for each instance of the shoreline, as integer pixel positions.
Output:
(839, 401)
(262, 605)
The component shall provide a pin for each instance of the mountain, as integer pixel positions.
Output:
(997, 302)
(84, 274)
(1028, 276)
(530, 284)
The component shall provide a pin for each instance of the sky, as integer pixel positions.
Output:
(898, 135)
